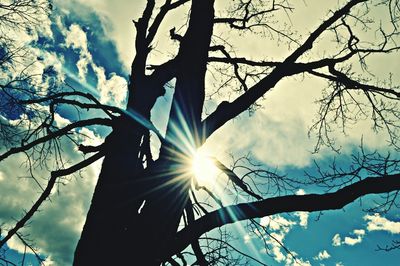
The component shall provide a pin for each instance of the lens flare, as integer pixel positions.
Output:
(203, 168)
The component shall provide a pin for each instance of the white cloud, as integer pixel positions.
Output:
(378, 223)
(16, 244)
(352, 241)
(322, 255)
(32, 31)
(50, 261)
(61, 121)
(357, 238)
(336, 240)
(277, 253)
(56, 228)
(119, 29)
(280, 227)
(300, 192)
(303, 216)
(88, 137)
(76, 38)
(301, 262)
(112, 90)
(339, 263)
(359, 232)
(290, 261)
(277, 223)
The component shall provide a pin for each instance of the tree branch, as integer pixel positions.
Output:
(308, 44)
(160, 16)
(291, 203)
(236, 180)
(244, 61)
(53, 178)
(56, 134)
(195, 244)
(226, 111)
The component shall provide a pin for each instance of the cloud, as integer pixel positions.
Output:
(277, 134)
(358, 235)
(351, 241)
(277, 223)
(378, 223)
(300, 192)
(322, 255)
(88, 137)
(112, 89)
(336, 240)
(76, 38)
(27, 61)
(303, 216)
(277, 253)
(117, 27)
(56, 228)
(280, 227)
(290, 261)
(359, 232)
(16, 244)
(61, 121)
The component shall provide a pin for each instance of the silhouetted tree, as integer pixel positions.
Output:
(139, 202)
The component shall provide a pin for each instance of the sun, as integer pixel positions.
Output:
(203, 168)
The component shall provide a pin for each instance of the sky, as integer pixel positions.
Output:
(89, 45)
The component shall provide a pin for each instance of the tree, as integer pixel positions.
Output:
(140, 202)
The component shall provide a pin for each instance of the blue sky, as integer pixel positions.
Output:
(90, 48)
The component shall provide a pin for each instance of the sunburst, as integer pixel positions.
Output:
(203, 168)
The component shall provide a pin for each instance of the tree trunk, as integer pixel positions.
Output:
(114, 203)
(115, 233)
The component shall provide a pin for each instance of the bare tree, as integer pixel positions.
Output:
(140, 202)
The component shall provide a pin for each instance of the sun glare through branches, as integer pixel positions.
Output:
(203, 168)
